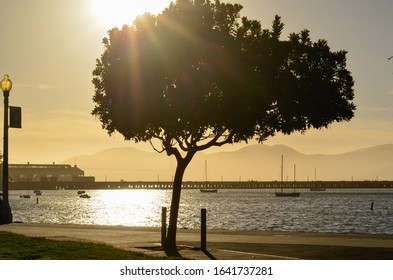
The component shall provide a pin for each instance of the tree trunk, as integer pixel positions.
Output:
(174, 212)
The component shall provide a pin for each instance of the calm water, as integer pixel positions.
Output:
(330, 211)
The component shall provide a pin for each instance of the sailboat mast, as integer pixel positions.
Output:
(294, 177)
(287, 194)
(206, 170)
(282, 170)
(294, 172)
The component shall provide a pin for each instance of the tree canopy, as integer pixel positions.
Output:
(199, 75)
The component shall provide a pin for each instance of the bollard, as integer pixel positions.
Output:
(163, 227)
(203, 229)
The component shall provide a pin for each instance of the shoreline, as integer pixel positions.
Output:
(212, 230)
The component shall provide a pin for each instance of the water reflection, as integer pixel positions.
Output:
(104, 207)
(125, 207)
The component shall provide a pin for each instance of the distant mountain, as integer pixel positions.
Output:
(125, 164)
(253, 162)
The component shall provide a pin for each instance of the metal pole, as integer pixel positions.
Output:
(203, 229)
(6, 215)
(163, 227)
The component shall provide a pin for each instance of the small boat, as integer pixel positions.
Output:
(85, 195)
(26, 195)
(209, 190)
(38, 192)
(203, 190)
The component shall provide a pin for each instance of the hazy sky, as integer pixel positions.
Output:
(49, 47)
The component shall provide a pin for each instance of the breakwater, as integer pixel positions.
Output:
(199, 185)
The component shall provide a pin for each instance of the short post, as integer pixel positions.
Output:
(372, 205)
(203, 229)
(37, 200)
(163, 227)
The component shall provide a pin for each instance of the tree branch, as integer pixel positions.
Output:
(214, 141)
(157, 150)
(181, 145)
(170, 150)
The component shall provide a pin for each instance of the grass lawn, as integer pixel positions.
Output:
(20, 247)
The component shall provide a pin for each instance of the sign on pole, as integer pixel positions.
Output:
(15, 117)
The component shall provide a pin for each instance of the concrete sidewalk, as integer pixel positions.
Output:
(222, 244)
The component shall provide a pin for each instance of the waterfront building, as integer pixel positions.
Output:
(47, 173)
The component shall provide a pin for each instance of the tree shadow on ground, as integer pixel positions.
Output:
(177, 253)
(173, 253)
(208, 254)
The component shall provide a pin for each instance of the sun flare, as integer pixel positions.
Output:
(116, 13)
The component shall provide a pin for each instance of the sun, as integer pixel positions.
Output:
(116, 13)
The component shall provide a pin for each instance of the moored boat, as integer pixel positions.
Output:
(209, 190)
(38, 192)
(206, 190)
(282, 193)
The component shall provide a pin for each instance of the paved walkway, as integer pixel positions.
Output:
(223, 245)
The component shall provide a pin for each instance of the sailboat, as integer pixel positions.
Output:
(26, 195)
(282, 193)
(205, 190)
(316, 189)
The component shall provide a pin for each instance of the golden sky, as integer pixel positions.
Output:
(49, 47)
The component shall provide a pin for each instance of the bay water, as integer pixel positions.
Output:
(333, 210)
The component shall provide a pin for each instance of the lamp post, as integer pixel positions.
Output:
(5, 214)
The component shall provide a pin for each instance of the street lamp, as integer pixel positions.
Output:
(5, 214)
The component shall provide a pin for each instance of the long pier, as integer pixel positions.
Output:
(199, 185)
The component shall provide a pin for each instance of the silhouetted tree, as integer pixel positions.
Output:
(199, 75)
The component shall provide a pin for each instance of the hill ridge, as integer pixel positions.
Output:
(253, 162)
